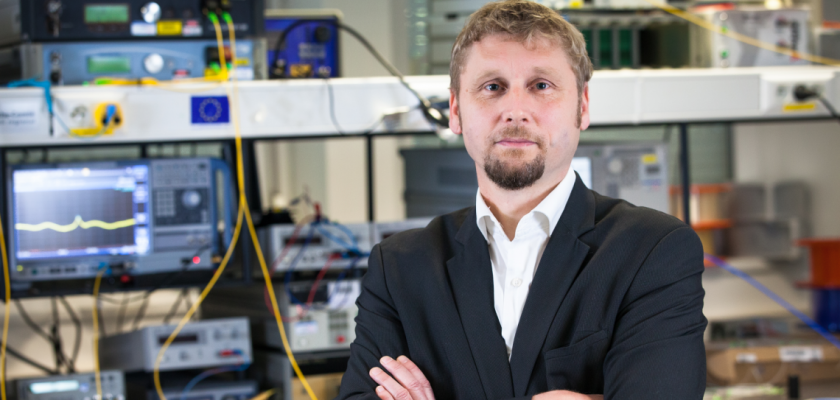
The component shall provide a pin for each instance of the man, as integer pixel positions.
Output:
(544, 289)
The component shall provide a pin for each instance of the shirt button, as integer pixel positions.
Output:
(516, 282)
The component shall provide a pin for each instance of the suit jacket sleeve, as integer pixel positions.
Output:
(379, 332)
(657, 350)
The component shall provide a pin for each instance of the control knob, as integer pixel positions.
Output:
(153, 63)
(150, 12)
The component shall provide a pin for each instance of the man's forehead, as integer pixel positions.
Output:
(495, 52)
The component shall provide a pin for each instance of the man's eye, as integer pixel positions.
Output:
(542, 86)
(493, 87)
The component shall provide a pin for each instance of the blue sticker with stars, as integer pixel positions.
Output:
(210, 110)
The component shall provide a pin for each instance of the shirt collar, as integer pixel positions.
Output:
(550, 208)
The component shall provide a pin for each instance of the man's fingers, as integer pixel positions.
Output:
(418, 375)
(393, 387)
(383, 393)
(415, 387)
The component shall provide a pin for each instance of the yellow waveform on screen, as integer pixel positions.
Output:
(77, 223)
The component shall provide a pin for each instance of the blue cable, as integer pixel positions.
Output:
(211, 372)
(352, 247)
(47, 86)
(32, 82)
(773, 296)
(318, 225)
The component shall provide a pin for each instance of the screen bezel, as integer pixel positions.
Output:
(70, 285)
(11, 214)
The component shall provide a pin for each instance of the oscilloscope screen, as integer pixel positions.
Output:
(66, 212)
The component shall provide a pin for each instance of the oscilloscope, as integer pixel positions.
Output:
(68, 221)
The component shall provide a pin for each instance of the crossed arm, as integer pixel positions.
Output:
(656, 347)
(407, 382)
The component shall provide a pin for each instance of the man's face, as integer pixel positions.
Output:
(518, 110)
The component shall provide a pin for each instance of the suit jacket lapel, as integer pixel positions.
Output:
(471, 277)
(560, 264)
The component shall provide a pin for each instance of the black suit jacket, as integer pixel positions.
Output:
(615, 308)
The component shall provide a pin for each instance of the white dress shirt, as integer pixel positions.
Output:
(515, 261)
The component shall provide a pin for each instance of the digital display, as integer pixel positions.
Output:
(53, 387)
(108, 64)
(106, 14)
(66, 212)
(183, 338)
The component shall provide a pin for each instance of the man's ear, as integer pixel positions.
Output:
(584, 108)
(454, 113)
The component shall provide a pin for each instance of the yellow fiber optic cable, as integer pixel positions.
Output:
(234, 101)
(243, 210)
(6, 312)
(218, 273)
(264, 395)
(195, 305)
(703, 23)
(96, 371)
(78, 222)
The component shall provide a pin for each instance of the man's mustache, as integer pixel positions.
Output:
(517, 132)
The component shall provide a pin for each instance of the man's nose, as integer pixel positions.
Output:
(516, 108)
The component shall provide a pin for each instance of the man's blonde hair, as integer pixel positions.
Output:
(523, 21)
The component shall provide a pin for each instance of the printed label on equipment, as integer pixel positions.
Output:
(143, 29)
(650, 159)
(800, 353)
(306, 328)
(19, 116)
(192, 28)
(794, 107)
(210, 110)
(244, 73)
(169, 28)
(343, 294)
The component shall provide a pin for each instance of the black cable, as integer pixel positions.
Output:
(187, 300)
(35, 327)
(160, 285)
(830, 108)
(14, 353)
(55, 332)
(335, 120)
(51, 338)
(101, 318)
(430, 112)
(174, 309)
(77, 341)
(121, 312)
(278, 46)
(141, 312)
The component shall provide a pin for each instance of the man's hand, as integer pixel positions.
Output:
(410, 383)
(566, 395)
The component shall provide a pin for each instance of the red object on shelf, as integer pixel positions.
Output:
(711, 224)
(825, 261)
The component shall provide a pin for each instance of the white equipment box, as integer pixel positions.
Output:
(200, 344)
(786, 28)
(321, 240)
(154, 114)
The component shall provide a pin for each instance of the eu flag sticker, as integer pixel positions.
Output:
(210, 110)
